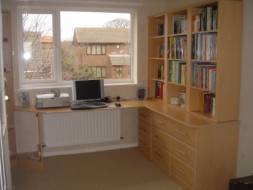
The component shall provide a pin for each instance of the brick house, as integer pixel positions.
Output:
(104, 50)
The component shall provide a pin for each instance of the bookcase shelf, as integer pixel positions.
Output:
(182, 60)
(206, 32)
(204, 61)
(176, 84)
(201, 89)
(200, 61)
(159, 80)
(177, 35)
(157, 58)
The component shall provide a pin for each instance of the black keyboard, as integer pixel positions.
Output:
(78, 105)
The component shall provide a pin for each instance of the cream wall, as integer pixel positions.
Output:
(245, 161)
(245, 155)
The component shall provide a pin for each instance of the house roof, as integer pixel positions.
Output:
(101, 35)
(46, 39)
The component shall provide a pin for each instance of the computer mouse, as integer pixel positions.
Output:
(117, 104)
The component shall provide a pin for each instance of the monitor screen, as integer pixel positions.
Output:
(88, 89)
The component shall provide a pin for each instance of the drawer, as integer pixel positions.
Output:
(144, 121)
(161, 158)
(185, 134)
(183, 153)
(182, 173)
(144, 113)
(159, 121)
(144, 126)
(144, 149)
(144, 137)
(175, 129)
(161, 138)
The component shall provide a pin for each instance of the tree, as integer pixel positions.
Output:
(38, 54)
(118, 23)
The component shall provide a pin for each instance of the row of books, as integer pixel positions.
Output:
(158, 89)
(160, 71)
(203, 76)
(206, 19)
(177, 72)
(177, 47)
(209, 103)
(204, 47)
(179, 24)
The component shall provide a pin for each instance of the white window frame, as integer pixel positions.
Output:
(21, 48)
(57, 80)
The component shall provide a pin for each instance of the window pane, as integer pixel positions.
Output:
(38, 46)
(95, 39)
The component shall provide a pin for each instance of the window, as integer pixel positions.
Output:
(37, 40)
(95, 50)
(91, 42)
(89, 45)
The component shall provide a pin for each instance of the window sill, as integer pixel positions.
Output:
(69, 85)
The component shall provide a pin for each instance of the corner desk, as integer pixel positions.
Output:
(196, 152)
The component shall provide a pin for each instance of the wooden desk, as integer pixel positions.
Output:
(198, 153)
(156, 106)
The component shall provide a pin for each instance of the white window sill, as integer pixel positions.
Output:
(69, 85)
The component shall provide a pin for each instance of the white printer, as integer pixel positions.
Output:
(52, 100)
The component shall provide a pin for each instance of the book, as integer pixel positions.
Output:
(205, 19)
(204, 47)
(160, 30)
(161, 51)
(160, 72)
(179, 24)
(177, 47)
(203, 75)
(177, 72)
(209, 103)
(158, 89)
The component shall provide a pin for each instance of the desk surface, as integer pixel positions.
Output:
(156, 106)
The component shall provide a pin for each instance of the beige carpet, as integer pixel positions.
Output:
(110, 170)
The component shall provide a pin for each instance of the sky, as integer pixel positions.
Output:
(70, 20)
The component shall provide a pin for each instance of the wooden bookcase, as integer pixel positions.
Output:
(207, 78)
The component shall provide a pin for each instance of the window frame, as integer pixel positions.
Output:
(57, 80)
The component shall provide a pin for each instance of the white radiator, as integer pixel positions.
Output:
(78, 128)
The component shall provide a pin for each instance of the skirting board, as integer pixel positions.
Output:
(88, 149)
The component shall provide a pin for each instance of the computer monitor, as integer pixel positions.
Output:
(88, 89)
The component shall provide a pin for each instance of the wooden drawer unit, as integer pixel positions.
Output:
(144, 149)
(161, 157)
(175, 129)
(162, 139)
(184, 153)
(144, 114)
(181, 173)
(185, 134)
(159, 121)
(144, 132)
(188, 152)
